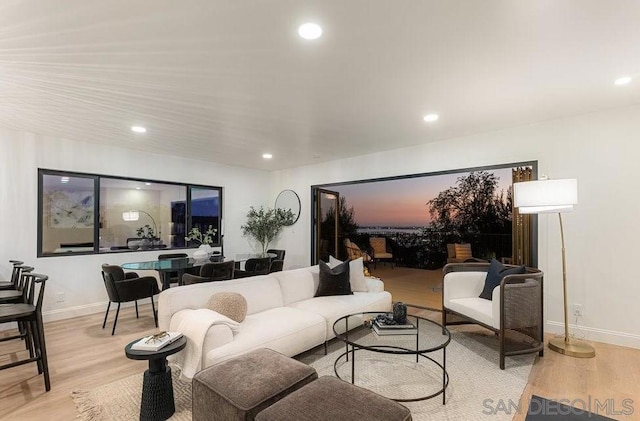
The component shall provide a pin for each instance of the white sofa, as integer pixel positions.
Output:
(514, 312)
(282, 312)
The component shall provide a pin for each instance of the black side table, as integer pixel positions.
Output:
(157, 388)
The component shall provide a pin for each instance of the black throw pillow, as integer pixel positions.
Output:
(496, 272)
(334, 281)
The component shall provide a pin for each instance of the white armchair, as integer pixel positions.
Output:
(514, 313)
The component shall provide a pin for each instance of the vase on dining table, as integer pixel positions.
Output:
(203, 252)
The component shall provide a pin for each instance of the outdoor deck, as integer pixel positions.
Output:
(411, 286)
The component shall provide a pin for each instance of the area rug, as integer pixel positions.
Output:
(476, 386)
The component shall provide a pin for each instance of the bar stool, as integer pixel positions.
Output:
(30, 314)
(17, 295)
(11, 284)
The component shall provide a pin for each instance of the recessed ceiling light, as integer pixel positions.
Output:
(267, 156)
(138, 129)
(147, 184)
(623, 80)
(137, 188)
(430, 118)
(310, 31)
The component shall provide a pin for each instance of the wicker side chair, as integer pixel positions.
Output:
(380, 251)
(515, 312)
(354, 252)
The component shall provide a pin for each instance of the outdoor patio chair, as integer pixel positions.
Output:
(461, 253)
(354, 252)
(380, 252)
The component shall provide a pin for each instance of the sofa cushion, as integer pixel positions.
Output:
(356, 273)
(334, 307)
(261, 292)
(334, 281)
(298, 284)
(230, 304)
(496, 272)
(476, 308)
(287, 330)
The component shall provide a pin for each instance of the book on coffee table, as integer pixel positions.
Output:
(156, 342)
(389, 331)
(382, 328)
(383, 325)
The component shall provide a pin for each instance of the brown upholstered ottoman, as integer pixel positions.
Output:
(330, 398)
(239, 388)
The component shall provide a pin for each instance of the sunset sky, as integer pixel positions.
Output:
(402, 203)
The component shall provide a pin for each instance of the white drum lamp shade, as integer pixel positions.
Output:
(546, 196)
(130, 215)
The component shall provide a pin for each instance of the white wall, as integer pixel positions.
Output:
(21, 154)
(601, 150)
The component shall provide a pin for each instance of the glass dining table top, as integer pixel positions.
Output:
(181, 263)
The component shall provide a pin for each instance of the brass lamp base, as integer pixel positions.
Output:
(572, 348)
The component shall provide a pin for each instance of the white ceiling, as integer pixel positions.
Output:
(227, 80)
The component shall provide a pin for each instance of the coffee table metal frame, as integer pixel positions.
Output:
(157, 388)
(394, 350)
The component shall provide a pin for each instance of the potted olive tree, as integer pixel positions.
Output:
(264, 225)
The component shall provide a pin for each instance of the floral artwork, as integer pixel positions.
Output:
(71, 209)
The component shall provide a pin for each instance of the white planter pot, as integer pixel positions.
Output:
(203, 252)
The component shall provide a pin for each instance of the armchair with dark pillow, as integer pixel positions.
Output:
(506, 299)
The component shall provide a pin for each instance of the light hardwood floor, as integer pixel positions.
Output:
(82, 355)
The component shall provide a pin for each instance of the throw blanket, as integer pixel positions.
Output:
(194, 324)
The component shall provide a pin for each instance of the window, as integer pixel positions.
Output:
(67, 213)
(205, 210)
(138, 215)
(126, 214)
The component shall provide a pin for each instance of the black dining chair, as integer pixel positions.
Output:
(123, 288)
(29, 313)
(276, 266)
(211, 272)
(175, 276)
(11, 284)
(279, 253)
(253, 267)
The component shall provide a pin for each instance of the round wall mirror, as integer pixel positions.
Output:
(288, 199)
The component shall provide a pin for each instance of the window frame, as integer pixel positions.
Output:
(96, 211)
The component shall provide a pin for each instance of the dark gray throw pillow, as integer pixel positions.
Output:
(496, 272)
(334, 281)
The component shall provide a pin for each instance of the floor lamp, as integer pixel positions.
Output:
(554, 196)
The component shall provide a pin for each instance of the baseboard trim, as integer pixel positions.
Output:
(599, 335)
(84, 310)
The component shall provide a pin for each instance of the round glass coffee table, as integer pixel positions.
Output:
(396, 365)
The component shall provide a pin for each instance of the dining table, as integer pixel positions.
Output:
(181, 265)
